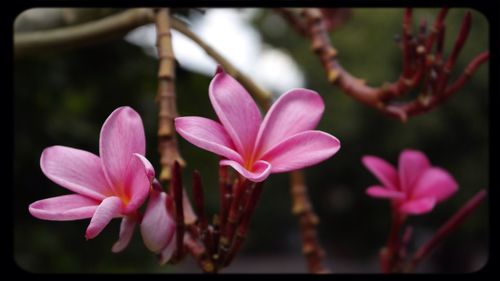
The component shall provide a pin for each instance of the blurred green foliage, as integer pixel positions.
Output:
(63, 99)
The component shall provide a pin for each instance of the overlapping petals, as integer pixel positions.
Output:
(283, 141)
(418, 186)
(113, 185)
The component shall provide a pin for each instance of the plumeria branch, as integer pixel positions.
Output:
(420, 66)
(166, 96)
(302, 208)
(108, 28)
(447, 228)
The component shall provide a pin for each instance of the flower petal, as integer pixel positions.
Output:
(122, 135)
(208, 135)
(126, 231)
(301, 150)
(157, 226)
(437, 183)
(418, 206)
(260, 170)
(412, 164)
(295, 111)
(168, 251)
(109, 208)
(382, 170)
(139, 177)
(236, 110)
(64, 208)
(77, 170)
(383, 192)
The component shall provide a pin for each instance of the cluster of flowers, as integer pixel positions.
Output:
(118, 181)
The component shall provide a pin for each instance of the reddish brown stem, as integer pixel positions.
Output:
(447, 228)
(200, 211)
(469, 70)
(176, 187)
(405, 241)
(389, 254)
(459, 43)
(242, 230)
(302, 208)
(438, 23)
(225, 194)
(239, 190)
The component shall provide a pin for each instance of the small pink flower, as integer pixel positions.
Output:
(106, 187)
(282, 142)
(418, 186)
(158, 227)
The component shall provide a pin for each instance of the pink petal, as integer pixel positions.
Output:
(157, 226)
(208, 135)
(77, 170)
(126, 231)
(168, 251)
(301, 150)
(122, 135)
(64, 208)
(236, 110)
(109, 208)
(139, 177)
(383, 171)
(437, 183)
(412, 164)
(382, 192)
(295, 111)
(418, 206)
(259, 172)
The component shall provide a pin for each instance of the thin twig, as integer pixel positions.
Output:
(263, 97)
(447, 228)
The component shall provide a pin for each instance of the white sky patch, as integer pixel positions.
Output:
(229, 32)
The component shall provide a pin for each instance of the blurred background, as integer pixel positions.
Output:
(63, 98)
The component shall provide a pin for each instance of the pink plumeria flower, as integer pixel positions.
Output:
(158, 227)
(282, 142)
(418, 186)
(106, 187)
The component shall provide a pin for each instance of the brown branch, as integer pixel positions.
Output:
(302, 208)
(108, 28)
(447, 228)
(419, 66)
(167, 143)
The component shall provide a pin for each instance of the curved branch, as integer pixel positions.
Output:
(108, 28)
